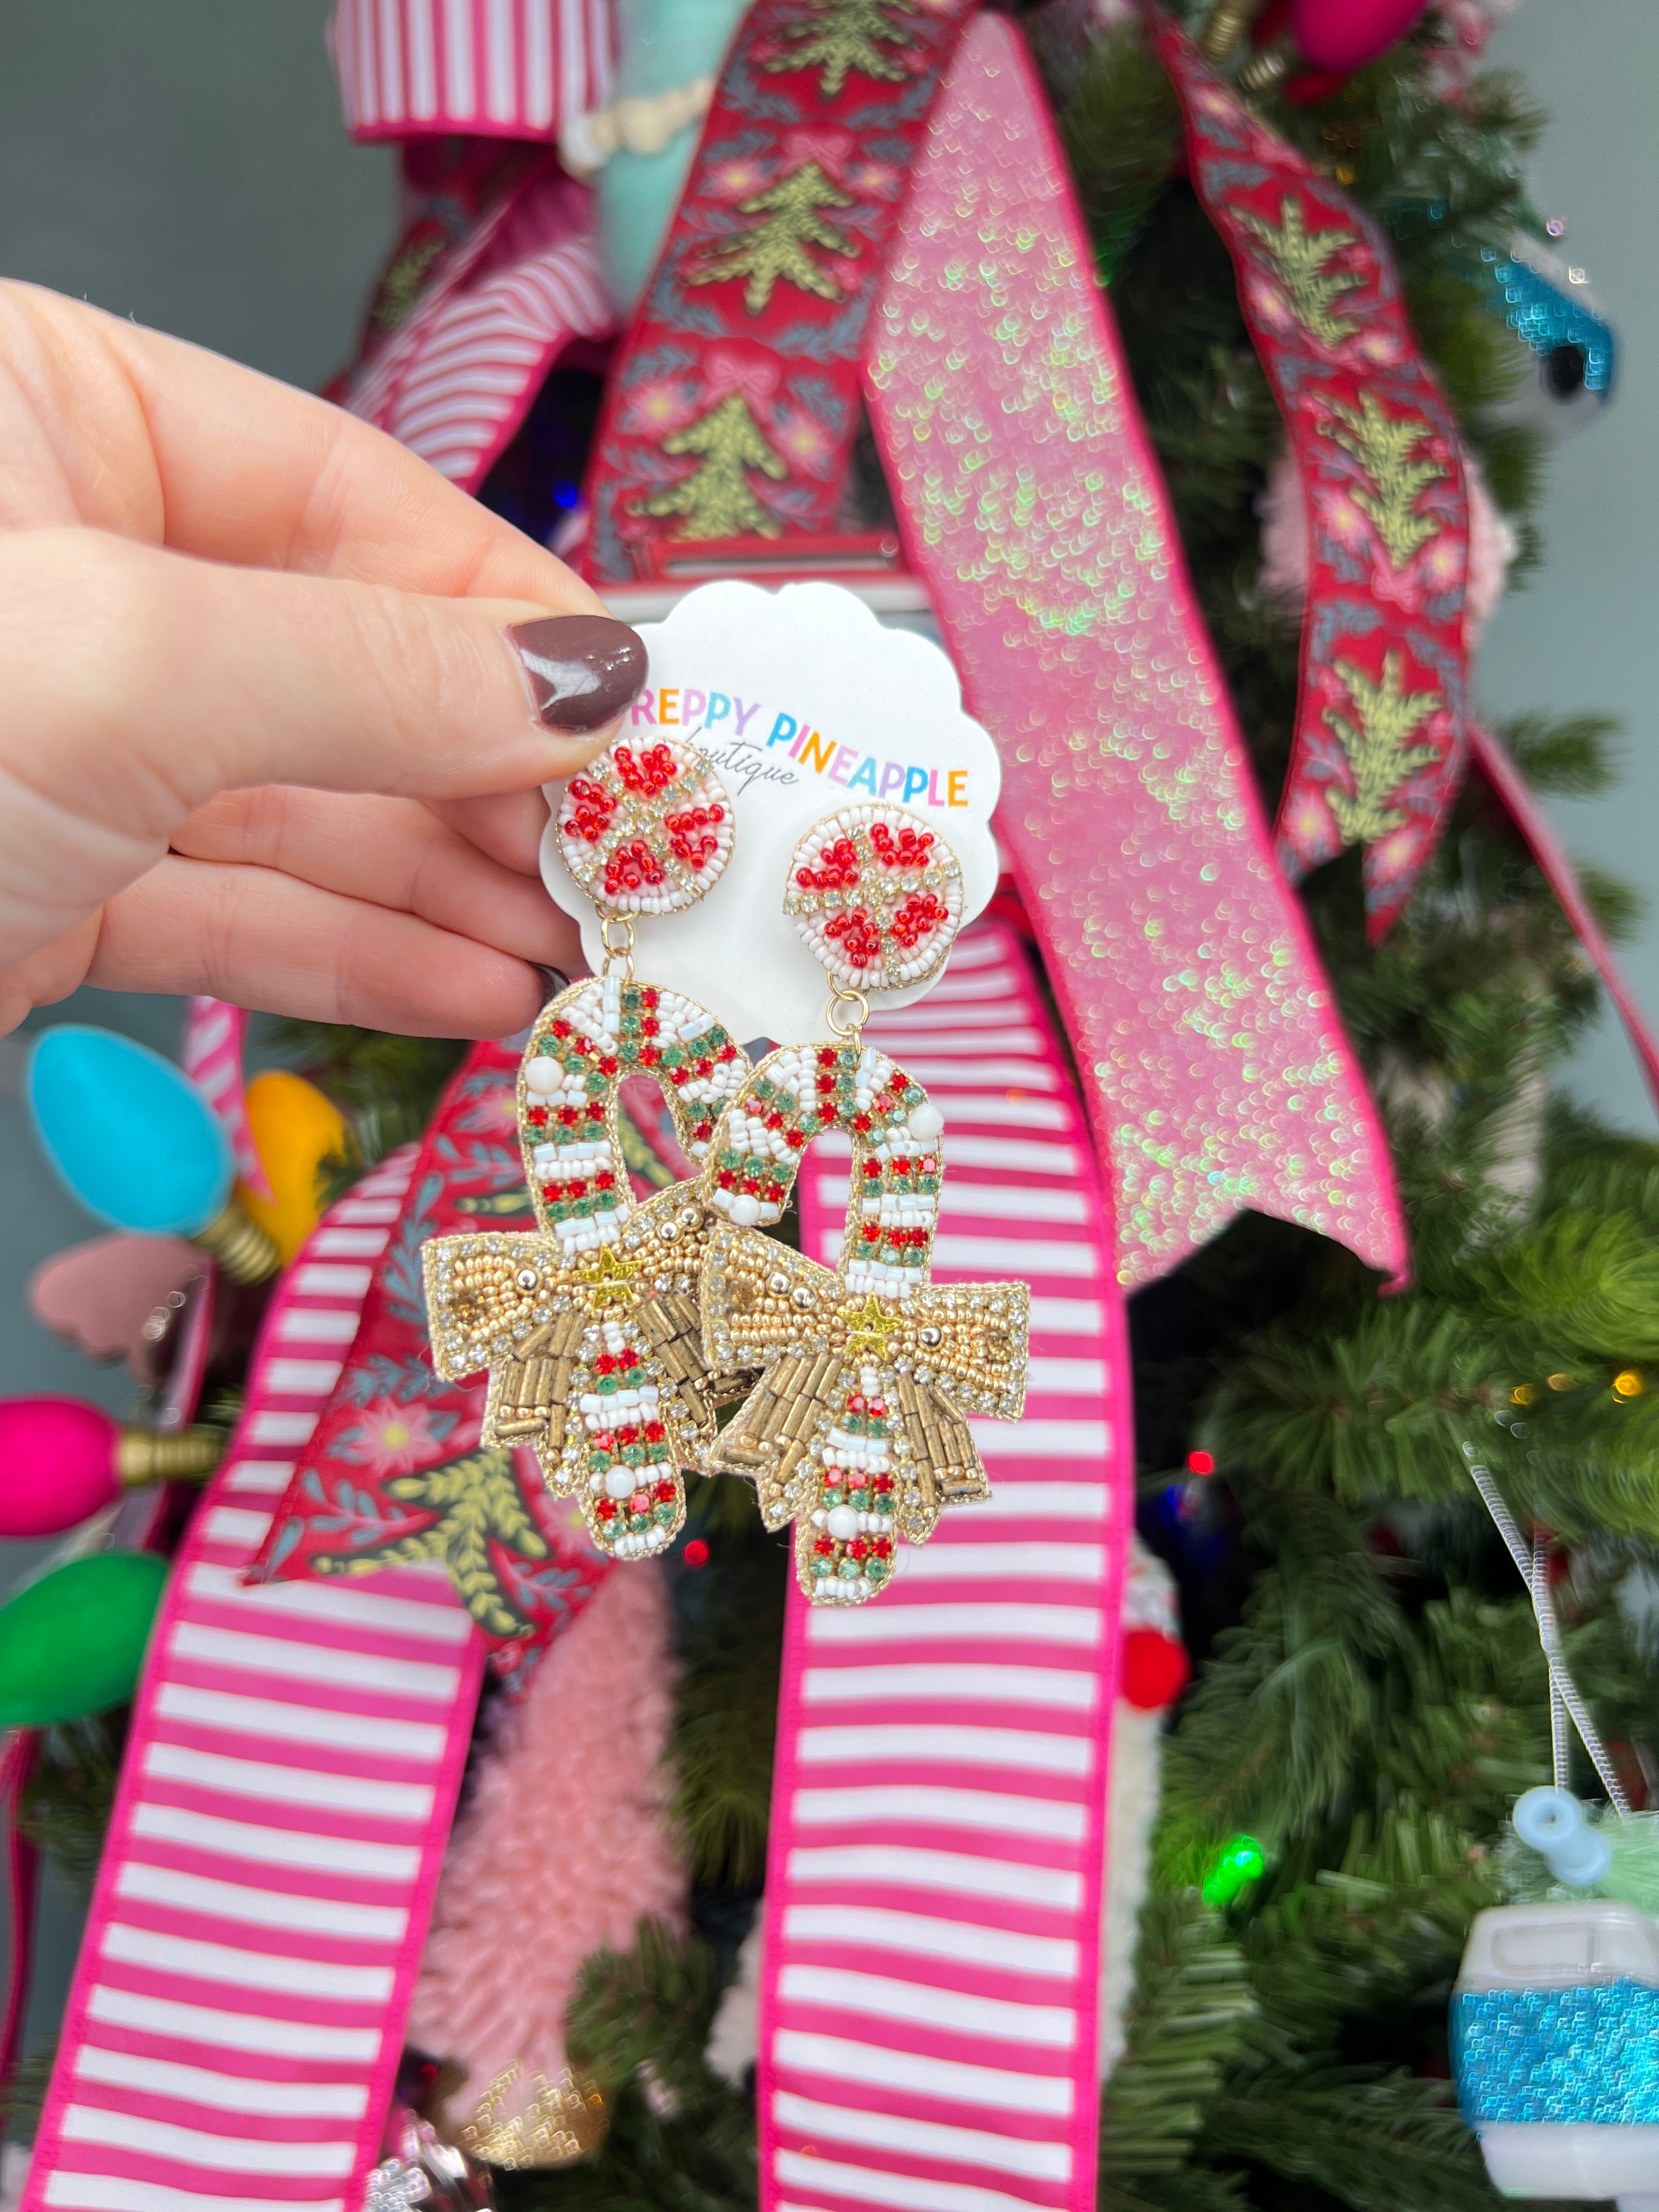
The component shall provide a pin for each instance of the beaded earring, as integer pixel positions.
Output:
(589, 1325)
(855, 1431)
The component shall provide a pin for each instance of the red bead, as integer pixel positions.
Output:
(665, 1494)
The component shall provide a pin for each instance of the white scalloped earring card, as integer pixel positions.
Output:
(804, 705)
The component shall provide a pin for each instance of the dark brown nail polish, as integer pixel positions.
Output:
(583, 668)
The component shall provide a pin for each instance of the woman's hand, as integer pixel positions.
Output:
(262, 734)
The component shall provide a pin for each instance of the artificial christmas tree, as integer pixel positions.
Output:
(1301, 282)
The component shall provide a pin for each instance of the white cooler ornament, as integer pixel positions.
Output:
(1555, 2045)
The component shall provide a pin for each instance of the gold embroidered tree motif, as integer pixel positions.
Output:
(1377, 745)
(716, 498)
(401, 287)
(841, 36)
(1384, 444)
(1300, 258)
(477, 1500)
(775, 251)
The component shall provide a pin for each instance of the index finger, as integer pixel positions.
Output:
(123, 429)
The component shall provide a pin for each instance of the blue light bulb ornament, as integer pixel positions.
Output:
(139, 1145)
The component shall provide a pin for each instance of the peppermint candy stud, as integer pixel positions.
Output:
(877, 897)
(646, 828)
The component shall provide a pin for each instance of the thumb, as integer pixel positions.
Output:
(139, 683)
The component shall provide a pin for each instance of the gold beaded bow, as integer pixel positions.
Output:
(589, 1325)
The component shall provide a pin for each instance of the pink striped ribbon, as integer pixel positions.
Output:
(234, 2024)
(929, 2006)
(454, 382)
(211, 1056)
(504, 69)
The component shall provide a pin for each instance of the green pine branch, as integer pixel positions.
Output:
(679, 2139)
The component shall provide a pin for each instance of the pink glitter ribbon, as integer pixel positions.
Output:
(929, 2009)
(1529, 818)
(1032, 505)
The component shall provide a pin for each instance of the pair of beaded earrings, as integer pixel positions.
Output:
(616, 1332)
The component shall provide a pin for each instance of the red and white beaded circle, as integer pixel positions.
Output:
(877, 897)
(646, 828)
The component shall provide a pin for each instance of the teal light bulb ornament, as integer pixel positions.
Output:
(135, 1140)
(666, 44)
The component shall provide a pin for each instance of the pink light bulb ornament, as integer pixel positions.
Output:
(62, 1461)
(1345, 34)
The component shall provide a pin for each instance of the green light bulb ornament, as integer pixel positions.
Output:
(73, 1642)
(1240, 1862)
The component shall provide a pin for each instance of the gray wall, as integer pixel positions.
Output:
(1585, 633)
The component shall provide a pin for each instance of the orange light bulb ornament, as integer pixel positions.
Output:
(294, 1129)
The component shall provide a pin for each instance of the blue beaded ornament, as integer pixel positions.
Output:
(1550, 309)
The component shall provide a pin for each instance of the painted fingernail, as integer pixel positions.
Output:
(583, 668)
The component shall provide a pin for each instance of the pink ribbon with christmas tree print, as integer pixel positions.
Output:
(1381, 731)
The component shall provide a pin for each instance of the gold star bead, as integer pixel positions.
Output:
(609, 1279)
(871, 1325)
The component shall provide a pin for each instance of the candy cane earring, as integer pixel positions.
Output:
(589, 1325)
(856, 1430)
